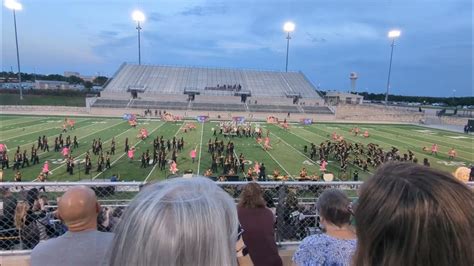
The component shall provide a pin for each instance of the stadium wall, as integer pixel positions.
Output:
(376, 113)
(209, 99)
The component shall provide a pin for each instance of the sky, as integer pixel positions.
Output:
(432, 57)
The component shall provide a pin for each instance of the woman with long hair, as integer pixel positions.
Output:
(258, 223)
(181, 221)
(409, 214)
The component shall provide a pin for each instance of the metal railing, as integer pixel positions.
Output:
(27, 209)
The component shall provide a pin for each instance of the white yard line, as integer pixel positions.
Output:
(33, 142)
(44, 129)
(304, 155)
(16, 128)
(28, 119)
(288, 173)
(315, 144)
(200, 149)
(82, 154)
(92, 133)
(125, 153)
(156, 164)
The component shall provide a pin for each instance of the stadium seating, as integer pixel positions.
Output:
(174, 79)
(158, 105)
(317, 110)
(108, 103)
(213, 89)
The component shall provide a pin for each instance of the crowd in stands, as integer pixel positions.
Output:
(406, 214)
(225, 87)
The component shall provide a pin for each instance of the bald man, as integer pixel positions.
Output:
(82, 244)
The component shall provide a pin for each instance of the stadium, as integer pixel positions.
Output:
(266, 157)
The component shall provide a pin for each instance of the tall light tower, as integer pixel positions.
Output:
(288, 27)
(353, 77)
(139, 17)
(393, 34)
(16, 6)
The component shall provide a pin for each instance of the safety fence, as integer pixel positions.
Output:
(28, 210)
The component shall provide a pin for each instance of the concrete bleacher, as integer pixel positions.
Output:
(213, 89)
(317, 110)
(110, 103)
(175, 105)
(273, 108)
(218, 107)
(158, 79)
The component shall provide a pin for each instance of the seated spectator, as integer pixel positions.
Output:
(337, 245)
(258, 223)
(181, 221)
(82, 244)
(414, 215)
(27, 214)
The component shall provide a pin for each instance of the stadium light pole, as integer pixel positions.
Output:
(393, 34)
(16, 6)
(139, 17)
(288, 27)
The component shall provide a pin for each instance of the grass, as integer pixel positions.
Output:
(286, 155)
(14, 99)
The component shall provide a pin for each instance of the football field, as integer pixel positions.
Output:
(286, 155)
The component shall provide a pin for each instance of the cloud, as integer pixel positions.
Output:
(331, 38)
(315, 39)
(155, 17)
(235, 46)
(108, 33)
(205, 10)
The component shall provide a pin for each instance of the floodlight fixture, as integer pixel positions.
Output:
(394, 34)
(289, 26)
(16, 6)
(13, 5)
(138, 16)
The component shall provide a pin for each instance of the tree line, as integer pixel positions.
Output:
(451, 101)
(98, 81)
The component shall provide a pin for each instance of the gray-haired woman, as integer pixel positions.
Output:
(188, 221)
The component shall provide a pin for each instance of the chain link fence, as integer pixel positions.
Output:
(28, 210)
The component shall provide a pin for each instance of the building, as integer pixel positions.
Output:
(68, 74)
(335, 98)
(27, 85)
(51, 85)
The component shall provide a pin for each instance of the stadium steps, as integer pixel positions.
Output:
(300, 109)
(129, 103)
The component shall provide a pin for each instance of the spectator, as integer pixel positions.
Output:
(258, 223)
(336, 246)
(413, 215)
(270, 203)
(27, 214)
(82, 244)
(8, 212)
(115, 217)
(8, 232)
(181, 221)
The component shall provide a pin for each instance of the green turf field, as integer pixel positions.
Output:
(28, 99)
(286, 155)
